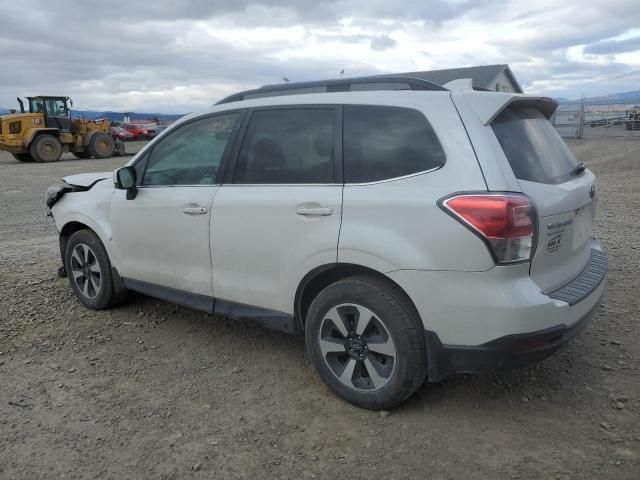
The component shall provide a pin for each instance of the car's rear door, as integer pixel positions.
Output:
(161, 237)
(279, 214)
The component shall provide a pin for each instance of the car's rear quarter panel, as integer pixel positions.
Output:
(397, 224)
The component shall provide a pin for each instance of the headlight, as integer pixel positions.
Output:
(15, 127)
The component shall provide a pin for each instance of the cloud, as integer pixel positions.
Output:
(614, 46)
(383, 42)
(180, 56)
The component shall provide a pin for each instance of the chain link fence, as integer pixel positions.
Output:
(577, 120)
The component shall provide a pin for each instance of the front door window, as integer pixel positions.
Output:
(191, 154)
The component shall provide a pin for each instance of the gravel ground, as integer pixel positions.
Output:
(151, 390)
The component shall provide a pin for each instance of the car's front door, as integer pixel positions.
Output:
(161, 237)
(278, 217)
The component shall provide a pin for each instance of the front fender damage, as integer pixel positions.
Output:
(56, 192)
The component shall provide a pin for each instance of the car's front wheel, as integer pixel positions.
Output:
(89, 271)
(366, 342)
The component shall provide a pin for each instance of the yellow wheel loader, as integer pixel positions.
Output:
(47, 131)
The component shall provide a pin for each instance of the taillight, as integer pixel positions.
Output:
(505, 221)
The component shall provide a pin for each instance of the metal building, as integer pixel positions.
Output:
(497, 78)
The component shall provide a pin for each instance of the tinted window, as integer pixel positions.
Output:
(387, 142)
(287, 146)
(139, 166)
(191, 154)
(533, 147)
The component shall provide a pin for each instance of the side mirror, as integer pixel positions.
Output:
(125, 179)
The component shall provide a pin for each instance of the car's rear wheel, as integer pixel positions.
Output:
(89, 271)
(366, 342)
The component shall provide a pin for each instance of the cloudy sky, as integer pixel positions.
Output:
(178, 56)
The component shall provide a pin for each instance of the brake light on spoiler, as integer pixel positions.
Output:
(506, 222)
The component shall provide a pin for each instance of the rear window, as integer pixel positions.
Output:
(387, 142)
(534, 149)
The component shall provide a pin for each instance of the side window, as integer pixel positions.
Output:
(36, 106)
(287, 146)
(191, 154)
(139, 167)
(387, 142)
(56, 108)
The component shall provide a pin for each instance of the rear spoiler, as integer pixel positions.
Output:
(488, 105)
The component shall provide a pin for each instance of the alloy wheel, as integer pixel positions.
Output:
(85, 270)
(357, 347)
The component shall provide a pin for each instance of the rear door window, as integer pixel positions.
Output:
(287, 146)
(532, 146)
(387, 142)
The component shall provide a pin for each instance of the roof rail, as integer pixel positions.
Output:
(336, 85)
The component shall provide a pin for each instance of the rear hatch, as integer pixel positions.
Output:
(562, 191)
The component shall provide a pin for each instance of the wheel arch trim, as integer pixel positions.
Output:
(73, 222)
(31, 135)
(321, 277)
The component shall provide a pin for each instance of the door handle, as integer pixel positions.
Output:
(321, 211)
(194, 210)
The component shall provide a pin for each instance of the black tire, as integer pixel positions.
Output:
(23, 157)
(97, 259)
(102, 146)
(82, 155)
(46, 148)
(396, 316)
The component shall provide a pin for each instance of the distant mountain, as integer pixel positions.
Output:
(614, 99)
(116, 116)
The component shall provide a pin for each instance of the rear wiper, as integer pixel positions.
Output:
(579, 169)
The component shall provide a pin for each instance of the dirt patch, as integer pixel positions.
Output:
(152, 390)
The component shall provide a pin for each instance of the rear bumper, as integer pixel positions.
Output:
(487, 321)
(511, 351)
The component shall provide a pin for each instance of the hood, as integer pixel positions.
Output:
(86, 179)
(19, 116)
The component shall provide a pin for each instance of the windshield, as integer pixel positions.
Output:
(534, 149)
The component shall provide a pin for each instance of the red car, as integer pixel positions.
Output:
(119, 133)
(138, 132)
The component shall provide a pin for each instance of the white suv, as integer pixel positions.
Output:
(409, 231)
